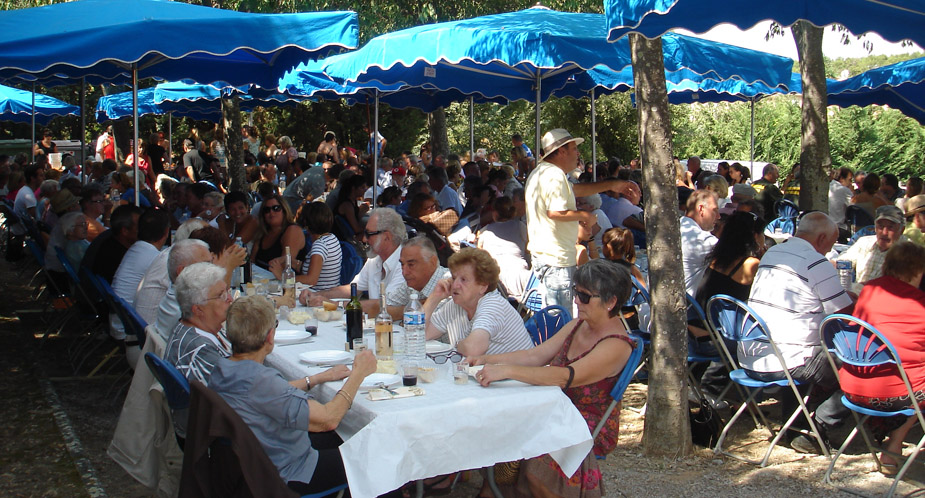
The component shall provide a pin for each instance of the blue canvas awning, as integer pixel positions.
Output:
(900, 86)
(894, 20)
(16, 106)
(170, 40)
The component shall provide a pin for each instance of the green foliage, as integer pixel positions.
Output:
(855, 66)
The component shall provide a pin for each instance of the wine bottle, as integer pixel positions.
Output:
(354, 314)
(289, 280)
(383, 327)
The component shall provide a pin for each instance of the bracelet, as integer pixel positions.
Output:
(571, 377)
(346, 397)
(308, 383)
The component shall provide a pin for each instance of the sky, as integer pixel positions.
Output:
(832, 46)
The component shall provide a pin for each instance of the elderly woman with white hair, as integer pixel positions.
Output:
(282, 413)
(592, 203)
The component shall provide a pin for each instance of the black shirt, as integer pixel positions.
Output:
(104, 255)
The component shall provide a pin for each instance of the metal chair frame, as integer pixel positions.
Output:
(856, 342)
(737, 322)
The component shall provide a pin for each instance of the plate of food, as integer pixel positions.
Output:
(326, 357)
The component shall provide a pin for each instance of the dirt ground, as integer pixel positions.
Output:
(58, 424)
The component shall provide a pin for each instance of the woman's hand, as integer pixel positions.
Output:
(277, 265)
(311, 298)
(337, 372)
(364, 364)
(232, 257)
(442, 289)
(491, 373)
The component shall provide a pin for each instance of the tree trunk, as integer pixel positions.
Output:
(234, 145)
(815, 159)
(436, 123)
(667, 427)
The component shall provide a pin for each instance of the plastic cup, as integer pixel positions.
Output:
(359, 345)
(461, 373)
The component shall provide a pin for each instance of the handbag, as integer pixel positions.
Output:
(706, 425)
(506, 472)
(444, 220)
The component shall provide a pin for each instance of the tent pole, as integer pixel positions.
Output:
(752, 166)
(593, 138)
(33, 122)
(471, 128)
(169, 137)
(135, 131)
(375, 149)
(83, 128)
(539, 83)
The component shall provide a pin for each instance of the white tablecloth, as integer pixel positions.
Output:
(451, 428)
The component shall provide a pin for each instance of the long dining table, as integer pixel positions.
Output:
(452, 427)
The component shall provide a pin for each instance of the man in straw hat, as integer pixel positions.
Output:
(553, 219)
(915, 214)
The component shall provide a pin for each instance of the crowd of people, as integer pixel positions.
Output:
(465, 234)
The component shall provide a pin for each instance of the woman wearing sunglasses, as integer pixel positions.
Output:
(585, 359)
(275, 231)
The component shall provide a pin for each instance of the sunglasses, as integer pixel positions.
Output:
(277, 208)
(583, 296)
(441, 358)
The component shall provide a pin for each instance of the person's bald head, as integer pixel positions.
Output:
(819, 230)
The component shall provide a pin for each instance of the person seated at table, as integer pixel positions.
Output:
(421, 270)
(283, 414)
(237, 221)
(585, 359)
(479, 319)
(321, 268)
(422, 204)
(385, 233)
(275, 231)
(894, 305)
(868, 252)
(198, 341)
(506, 240)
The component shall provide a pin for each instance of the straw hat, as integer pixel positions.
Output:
(62, 201)
(553, 139)
(915, 205)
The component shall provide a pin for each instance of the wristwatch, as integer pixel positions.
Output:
(308, 383)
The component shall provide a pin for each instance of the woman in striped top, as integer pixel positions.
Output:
(321, 269)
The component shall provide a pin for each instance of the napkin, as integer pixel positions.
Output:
(402, 392)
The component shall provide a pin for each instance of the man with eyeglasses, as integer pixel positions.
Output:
(385, 233)
(198, 341)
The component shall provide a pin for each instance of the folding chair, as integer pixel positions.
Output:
(862, 232)
(696, 318)
(546, 322)
(638, 297)
(858, 343)
(531, 301)
(59, 300)
(622, 381)
(735, 321)
(786, 225)
(857, 218)
(786, 209)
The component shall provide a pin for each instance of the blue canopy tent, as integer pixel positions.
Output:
(894, 20)
(130, 39)
(528, 54)
(21, 106)
(900, 86)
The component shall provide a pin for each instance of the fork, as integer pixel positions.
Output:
(381, 385)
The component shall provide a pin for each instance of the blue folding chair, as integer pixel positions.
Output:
(351, 263)
(859, 344)
(531, 301)
(626, 375)
(133, 323)
(786, 209)
(857, 218)
(697, 318)
(735, 321)
(176, 387)
(546, 322)
(786, 225)
(862, 232)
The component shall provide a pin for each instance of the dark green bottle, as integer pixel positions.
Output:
(354, 314)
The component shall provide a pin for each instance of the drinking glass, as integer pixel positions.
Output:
(359, 345)
(461, 373)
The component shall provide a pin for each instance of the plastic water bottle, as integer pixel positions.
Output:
(237, 277)
(414, 336)
(282, 181)
(845, 273)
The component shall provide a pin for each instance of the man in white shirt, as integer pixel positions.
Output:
(420, 269)
(794, 290)
(25, 202)
(696, 239)
(153, 230)
(385, 233)
(840, 194)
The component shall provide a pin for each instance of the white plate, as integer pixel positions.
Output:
(372, 379)
(290, 336)
(434, 347)
(327, 357)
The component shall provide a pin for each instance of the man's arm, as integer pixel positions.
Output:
(618, 186)
(572, 216)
